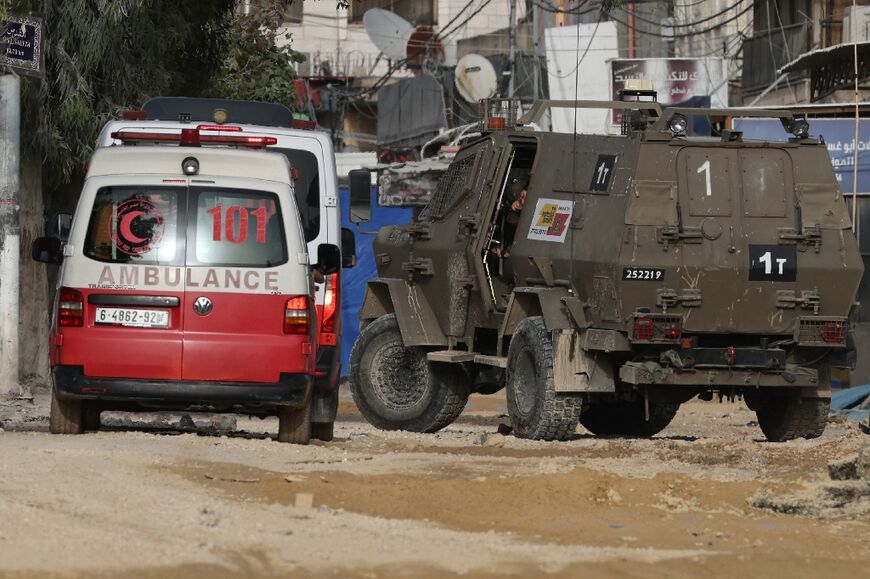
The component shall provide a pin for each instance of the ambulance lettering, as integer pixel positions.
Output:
(170, 278)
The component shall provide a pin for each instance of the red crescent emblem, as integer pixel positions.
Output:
(125, 226)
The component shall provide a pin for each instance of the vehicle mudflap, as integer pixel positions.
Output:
(578, 370)
(417, 321)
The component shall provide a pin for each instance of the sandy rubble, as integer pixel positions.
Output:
(465, 501)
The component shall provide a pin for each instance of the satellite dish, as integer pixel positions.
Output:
(475, 78)
(388, 31)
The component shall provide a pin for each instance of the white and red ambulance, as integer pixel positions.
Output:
(310, 153)
(185, 282)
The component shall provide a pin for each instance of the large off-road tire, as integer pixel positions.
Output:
(787, 418)
(294, 424)
(66, 415)
(396, 388)
(623, 418)
(324, 431)
(535, 409)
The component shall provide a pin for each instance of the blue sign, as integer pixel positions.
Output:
(21, 44)
(839, 135)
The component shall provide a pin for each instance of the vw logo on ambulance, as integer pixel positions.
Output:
(202, 306)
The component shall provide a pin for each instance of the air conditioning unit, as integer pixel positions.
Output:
(862, 25)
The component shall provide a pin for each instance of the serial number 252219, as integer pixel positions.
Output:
(643, 273)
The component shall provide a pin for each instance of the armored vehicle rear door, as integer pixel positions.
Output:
(732, 205)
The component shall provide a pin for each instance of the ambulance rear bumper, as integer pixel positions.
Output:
(290, 390)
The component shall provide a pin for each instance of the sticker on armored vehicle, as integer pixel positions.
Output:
(550, 221)
(772, 262)
(603, 171)
(643, 273)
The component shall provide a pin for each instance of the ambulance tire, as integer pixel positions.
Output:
(396, 388)
(536, 410)
(91, 417)
(628, 418)
(294, 424)
(324, 431)
(787, 418)
(66, 415)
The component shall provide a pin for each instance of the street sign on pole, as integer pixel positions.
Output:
(21, 45)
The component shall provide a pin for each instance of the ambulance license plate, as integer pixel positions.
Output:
(133, 318)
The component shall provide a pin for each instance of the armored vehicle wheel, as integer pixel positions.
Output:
(66, 415)
(324, 431)
(294, 424)
(784, 419)
(536, 410)
(627, 418)
(397, 388)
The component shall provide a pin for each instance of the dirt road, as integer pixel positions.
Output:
(465, 501)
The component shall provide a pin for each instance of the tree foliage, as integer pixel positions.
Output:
(258, 66)
(104, 56)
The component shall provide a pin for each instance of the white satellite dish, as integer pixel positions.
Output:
(388, 31)
(475, 78)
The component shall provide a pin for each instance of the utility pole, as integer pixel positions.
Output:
(10, 154)
(537, 52)
(512, 49)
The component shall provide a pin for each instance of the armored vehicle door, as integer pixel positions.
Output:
(732, 205)
(509, 171)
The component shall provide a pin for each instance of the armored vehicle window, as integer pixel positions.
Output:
(767, 175)
(707, 176)
(452, 185)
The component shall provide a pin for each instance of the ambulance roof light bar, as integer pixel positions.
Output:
(194, 138)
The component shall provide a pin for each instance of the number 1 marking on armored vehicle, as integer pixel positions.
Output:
(705, 168)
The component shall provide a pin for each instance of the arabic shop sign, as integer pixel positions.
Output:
(21, 44)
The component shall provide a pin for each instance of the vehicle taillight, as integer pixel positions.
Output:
(643, 329)
(70, 308)
(296, 314)
(657, 328)
(330, 304)
(230, 128)
(833, 332)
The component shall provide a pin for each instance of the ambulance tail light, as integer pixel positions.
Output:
(331, 304)
(70, 308)
(296, 315)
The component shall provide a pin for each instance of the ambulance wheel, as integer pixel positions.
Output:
(628, 418)
(536, 410)
(294, 424)
(324, 431)
(91, 417)
(783, 419)
(397, 388)
(66, 415)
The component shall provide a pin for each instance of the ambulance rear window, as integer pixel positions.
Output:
(307, 188)
(135, 224)
(237, 227)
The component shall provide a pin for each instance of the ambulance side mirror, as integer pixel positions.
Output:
(328, 258)
(348, 248)
(360, 195)
(47, 250)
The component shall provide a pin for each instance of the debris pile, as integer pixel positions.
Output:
(846, 495)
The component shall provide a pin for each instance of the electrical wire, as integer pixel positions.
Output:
(480, 8)
(689, 24)
(683, 35)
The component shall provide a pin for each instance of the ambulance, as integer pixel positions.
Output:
(186, 282)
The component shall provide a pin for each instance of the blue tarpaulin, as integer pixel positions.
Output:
(353, 280)
(852, 403)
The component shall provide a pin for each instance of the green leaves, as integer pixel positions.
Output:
(105, 56)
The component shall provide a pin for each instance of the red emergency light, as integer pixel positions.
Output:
(193, 138)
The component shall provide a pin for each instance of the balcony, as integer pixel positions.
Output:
(768, 50)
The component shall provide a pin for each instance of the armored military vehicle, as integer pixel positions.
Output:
(609, 279)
